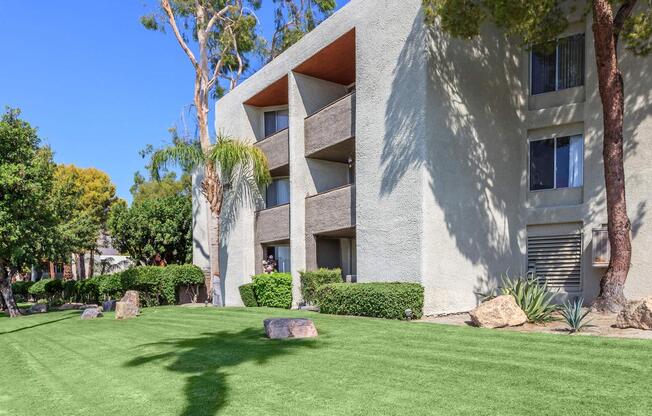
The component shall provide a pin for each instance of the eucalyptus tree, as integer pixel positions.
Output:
(295, 18)
(240, 170)
(539, 23)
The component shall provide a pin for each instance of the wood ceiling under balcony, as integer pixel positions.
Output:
(335, 63)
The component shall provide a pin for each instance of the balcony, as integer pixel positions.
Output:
(275, 148)
(331, 211)
(273, 224)
(330, 132)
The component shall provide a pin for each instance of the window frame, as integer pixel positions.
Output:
(529, 161)
(531, 78)
(274, 110)
(276, 179)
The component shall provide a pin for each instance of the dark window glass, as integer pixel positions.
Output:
(270, 123)
(570, 52)
(281, 120)
(543, 71)
(563, 160)
(542, 164)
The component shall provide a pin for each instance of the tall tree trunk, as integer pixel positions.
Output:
(82, 266)
(214, 253)
(610, 80)
(53, 271)
(6, 292)
(91, 261)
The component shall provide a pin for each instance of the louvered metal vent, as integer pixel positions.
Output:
(556, 259)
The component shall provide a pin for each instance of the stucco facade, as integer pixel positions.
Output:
(418, 169)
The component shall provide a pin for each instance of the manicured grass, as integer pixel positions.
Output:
(178, 361)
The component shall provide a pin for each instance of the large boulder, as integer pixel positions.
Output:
(131, 296)
(279, 328)
(71, 306)
(91, 313)
(637, 314)
(38, 308)
(498, 312)
(125, 310)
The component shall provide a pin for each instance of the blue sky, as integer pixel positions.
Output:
(98, 86)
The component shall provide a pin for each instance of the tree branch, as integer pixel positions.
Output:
(623, 13)
(165, 4)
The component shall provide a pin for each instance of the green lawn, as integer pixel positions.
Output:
(179, 361)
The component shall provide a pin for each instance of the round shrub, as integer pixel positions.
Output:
(311, 281)
(273, 290)
(21, 289)
(380, 300)
(248, 295)
(46, 288)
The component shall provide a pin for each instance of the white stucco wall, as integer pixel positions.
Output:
(441, 156)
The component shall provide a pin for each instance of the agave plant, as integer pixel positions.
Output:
(533, 297)
(573, 315)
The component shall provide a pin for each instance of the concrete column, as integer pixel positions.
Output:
(299, 182)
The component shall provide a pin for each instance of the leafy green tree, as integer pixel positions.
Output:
(27, 220)
(82, 200)
(240, 171)
(160, 226)
(539, 23)
(295, 18)
(146, 189)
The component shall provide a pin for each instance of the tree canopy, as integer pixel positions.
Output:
(159, 226)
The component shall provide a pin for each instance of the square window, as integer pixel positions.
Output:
(561, 68)
(556, 163)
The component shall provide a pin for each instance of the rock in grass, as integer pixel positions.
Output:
(91, 313)
(38, 308)
(131, 296)
(637, 314)
(280, 328)
(498, 312)
(125, 310)
(71, 306)
(108, 305)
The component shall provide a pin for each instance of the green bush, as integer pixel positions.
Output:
(87, 291)
(248, 295)
(380, 300)
(46, 289)
(110, 286)
(70, 289)
(152, 284)
(311, 281)
(273, 290)
(21, 289)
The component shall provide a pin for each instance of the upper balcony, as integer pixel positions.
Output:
(276, 149)
(330, 132)
(331, 210)
(273, 224)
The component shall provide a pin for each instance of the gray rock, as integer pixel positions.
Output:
(109, 305)
(637, 314)
(71, 306)
(91, 313)
(280, 328)
(38, 308)
(498, 312)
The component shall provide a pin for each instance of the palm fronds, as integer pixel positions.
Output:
(186, 155)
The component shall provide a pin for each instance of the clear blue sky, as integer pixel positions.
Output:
(98, 86)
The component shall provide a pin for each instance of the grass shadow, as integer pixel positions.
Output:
(69, 316)
(205, 358)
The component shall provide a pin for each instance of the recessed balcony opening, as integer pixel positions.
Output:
(337, 249)
(277, 256)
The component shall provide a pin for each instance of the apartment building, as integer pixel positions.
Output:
(400, 154)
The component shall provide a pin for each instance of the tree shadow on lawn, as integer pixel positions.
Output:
(60, 318)
(206, 357)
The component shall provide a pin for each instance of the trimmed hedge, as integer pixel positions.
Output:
(248, 295)
(380, 300)
(46, 289)
(273, 290)
(311, 281)
(157, 285)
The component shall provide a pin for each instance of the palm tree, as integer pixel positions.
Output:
(232, 168)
